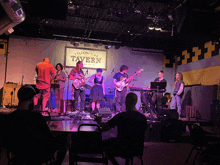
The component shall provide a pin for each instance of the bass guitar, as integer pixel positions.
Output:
(123, 82)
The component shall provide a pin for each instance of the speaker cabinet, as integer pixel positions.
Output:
(10, 94)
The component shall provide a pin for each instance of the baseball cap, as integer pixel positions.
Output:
(26, 92)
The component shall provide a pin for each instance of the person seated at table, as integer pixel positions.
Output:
(131, 126)
(26, 134)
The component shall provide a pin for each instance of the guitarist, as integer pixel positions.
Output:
(77, 73)
(120, 95)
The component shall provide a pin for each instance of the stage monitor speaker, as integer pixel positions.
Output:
(168, 114)
(105, 112)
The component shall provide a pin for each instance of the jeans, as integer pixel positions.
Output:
(82, 94)
(176, 102)
(120, 99)
(52, 100)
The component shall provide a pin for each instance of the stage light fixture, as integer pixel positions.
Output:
(74, 43)
(108, 46)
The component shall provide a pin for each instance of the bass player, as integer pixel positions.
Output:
(120, 95)
(77, 74)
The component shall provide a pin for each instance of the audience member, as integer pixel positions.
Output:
(131, 126)
(26, 134)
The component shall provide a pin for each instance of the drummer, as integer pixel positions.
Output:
(98, 90)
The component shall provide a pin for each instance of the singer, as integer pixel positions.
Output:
(98, 90)
(60, 79)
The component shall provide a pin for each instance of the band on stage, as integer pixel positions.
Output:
(51, 83)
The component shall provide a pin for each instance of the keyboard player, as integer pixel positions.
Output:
(157, 96)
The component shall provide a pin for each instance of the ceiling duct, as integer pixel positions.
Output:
(147, 50)
(14, 16)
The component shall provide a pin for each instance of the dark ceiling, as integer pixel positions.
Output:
(171, 25)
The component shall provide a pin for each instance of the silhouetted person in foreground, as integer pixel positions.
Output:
(131, 126)
(25, 132)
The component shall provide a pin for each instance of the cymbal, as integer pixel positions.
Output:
(87, 86)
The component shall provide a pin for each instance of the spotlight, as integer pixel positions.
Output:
(74, 43)
(108, 46)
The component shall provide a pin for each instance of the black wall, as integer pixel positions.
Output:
(201, 97)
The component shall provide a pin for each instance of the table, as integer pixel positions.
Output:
(70, 126)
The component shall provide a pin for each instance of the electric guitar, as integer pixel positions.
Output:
(79, 83)
(123, 83)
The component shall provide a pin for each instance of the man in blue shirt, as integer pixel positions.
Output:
(120, 80)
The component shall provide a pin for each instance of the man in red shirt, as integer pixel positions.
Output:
(44, 73)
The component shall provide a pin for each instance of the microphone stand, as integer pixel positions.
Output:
(67, 92)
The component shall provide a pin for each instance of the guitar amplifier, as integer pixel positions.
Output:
(10, 97)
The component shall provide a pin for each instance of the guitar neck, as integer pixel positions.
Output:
(132, 75)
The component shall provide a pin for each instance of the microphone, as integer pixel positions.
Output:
(113, 70)
(63, 66)
(87, 71)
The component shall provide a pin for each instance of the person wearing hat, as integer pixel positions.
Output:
(98, 90)
(26, 134)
